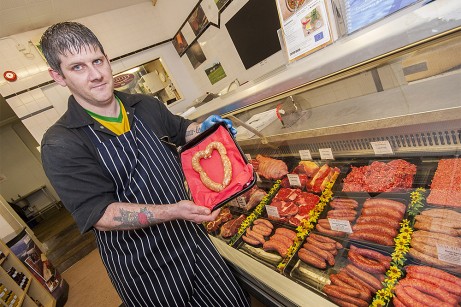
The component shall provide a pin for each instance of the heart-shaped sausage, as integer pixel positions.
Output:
(204, 154)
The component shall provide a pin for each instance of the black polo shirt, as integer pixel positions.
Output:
(74, 168)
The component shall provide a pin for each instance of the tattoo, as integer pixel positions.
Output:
(191, 132)
(140, 219)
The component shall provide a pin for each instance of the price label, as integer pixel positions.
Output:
(294, 180)
(450, 254)
(340, 225)
(272, 211)
(241, 202)
(305, 155)
(382, 148)
(248, 156)
(326, 154)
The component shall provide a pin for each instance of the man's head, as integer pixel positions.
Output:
(66, 38)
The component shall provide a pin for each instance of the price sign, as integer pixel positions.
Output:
(382, 148)
(248, 156)
(305, 155)
(294, 180)
(272, 211)
(326, 154)
(241, 202)
(450, 254)
(340, 225)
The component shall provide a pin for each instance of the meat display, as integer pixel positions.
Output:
(270, 168)
(231, 227)
(250, 199)
(446, 184)
(319, 251)
(224, 216)
(393, 176)
(379, 221)
(312, 177)
(293, 205)
(427, 286)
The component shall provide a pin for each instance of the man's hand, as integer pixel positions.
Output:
(187, 210)
(213, 119)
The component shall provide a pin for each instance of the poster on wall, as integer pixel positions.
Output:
(24, 247)
(180, 43)
(305, 27)
(215, 72)
(195, 55)
(198, 20)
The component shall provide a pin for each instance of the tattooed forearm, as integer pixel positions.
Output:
(192, 131)
(135, 219)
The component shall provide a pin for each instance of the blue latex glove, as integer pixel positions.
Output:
(213, 119)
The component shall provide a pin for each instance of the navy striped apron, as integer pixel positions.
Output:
(169, 264)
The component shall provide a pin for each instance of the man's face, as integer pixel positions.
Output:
(88, 76)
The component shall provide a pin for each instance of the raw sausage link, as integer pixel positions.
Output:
(250, 241)
(345, 200)
(436, 228)
(341, 303)
(333, 292)
(433, 272)
(429, 288)
(423, 298)
(397, 302)
(438, 221)
(387, 212)
(438, 236)
(310, 258)
(392, 232)
(341, 212)
(278, 237)
(378, 219)
(277, 246)
(444, 284)
(359, 281)
(341, 205)
(404, 297)
(373, 237)
(321, 253)
(265, 222)
(346, 290)
(321, 238)
(369, 253)
(383, 202)
(348, 279)
(265, 231)
(370, 266)
(427, 259)
(290, 234)
(364, 276)
(443, 213)
(325, 246)
(329, 232)
(254, 235)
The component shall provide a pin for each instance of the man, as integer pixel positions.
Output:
(111, 161)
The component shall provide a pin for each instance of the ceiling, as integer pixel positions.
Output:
(17, 16)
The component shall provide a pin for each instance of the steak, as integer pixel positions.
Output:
(231, 227)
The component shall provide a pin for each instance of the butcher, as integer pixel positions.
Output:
(111, 159)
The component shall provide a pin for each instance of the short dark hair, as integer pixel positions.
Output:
(65, 37)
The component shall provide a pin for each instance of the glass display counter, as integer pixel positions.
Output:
(361, 162)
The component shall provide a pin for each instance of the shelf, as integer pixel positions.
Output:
(23, 297)
(4, 258)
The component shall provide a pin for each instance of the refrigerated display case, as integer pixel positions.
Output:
(383, 108)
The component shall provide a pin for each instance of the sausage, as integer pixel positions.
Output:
(346, 290)
(207, 181)
(372, 254)
(321, 253)
(397, 302)
(443, 213)
(425, 249)
(333, 291)
(278, 237)
(341, 205)
(432, 241)
(340, 302)
(290, 234)
(378, 219)
(335, 280)
(429, 288)
(364, 276)
(256, 236)
(348, 279)
(427, 259)
(264, 222)
(325, 246)
(404, 297)
(357, 280)
(310, 258)
(444, 284)
(423, 298)
(345, 200)
(392, 232)
(277, 246)
(329, 232)
(433, 272)
(438, 236)
(324, 223)
(387, 212)
(373, 237)
(368, 265)
(250, 241)
(349, 218)
(383, 202)
(341, 212)
(265, 231)
(439, 221)
(323, 239)
(436, 228)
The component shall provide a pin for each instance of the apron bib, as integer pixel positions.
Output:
(169, 264)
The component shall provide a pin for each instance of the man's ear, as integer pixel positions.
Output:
(57, 77)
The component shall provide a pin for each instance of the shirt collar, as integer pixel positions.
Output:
(78, 117)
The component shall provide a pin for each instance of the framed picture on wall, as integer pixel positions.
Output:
(195, 55)
(221, 4)
(198, 20)
(180, 43)
(215, 72)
